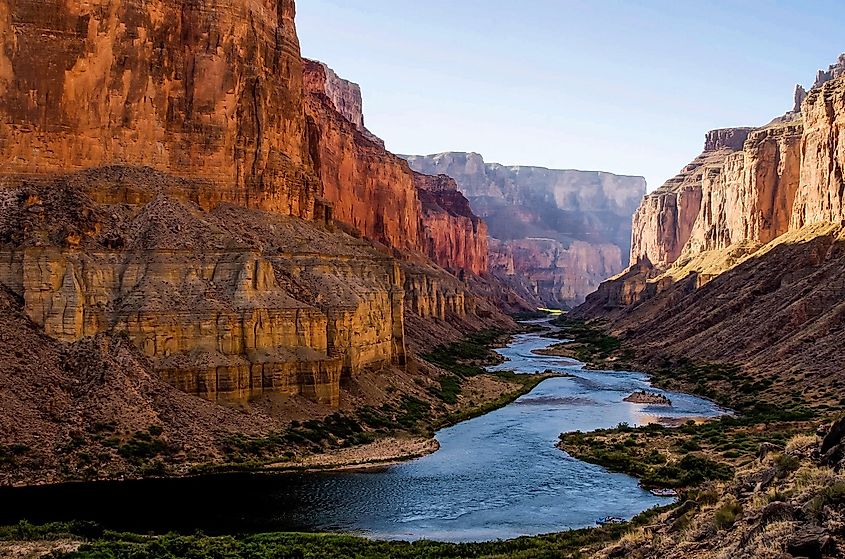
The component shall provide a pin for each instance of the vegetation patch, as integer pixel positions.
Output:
(102, 544)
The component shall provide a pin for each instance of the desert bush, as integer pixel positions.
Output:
(726, 515)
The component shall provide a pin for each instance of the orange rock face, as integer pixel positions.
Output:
(821, 196)
(664, 222)
(370, 189)
(453, 236)
(749, 188)
(376, 193)
(209, 90)
(161, 178)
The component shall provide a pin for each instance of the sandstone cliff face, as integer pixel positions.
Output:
(821, 195)
(344, 96)
(210, 90)
(555, 230)
(226, 304)
(664, 222)
(133, 149)
(754, 276)
(370, 189)
(453, 236)
(376, 193)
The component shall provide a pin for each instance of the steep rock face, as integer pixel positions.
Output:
(821, 196)
(750, 198)
(759, 282)
(370, 189)
(210, 90)
(344, 95)
(376, 193)
(161, 178)
(663, 224)
(555, 273)
(453, 236)
(553, 228)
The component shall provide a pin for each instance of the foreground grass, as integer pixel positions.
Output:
(99, 544)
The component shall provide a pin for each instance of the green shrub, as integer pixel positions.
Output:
(726, 515)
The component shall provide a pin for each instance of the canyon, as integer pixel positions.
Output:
(179, 184)
(739, 259)
(555, 234)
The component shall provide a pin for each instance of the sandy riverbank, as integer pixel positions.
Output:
(380, 453)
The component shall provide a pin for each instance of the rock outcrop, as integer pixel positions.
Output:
(555, 233)
(226, 304)
(376, 193)
(173, 171)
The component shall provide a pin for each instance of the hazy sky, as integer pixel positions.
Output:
(623, 86)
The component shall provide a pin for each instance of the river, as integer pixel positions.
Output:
(496, 476)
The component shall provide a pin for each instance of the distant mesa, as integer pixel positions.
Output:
(555, 234)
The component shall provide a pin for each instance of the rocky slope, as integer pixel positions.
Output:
(740, 257)
(555, 233)
(788, 502)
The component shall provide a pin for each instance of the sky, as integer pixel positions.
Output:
(628, 87)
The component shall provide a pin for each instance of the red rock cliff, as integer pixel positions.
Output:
(453, 236)
(556, 233)
(739, 196)
(371, 189)
(208, 89)
(376, 192)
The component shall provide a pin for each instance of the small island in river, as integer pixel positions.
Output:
(643, 397)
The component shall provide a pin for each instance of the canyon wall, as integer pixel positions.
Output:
(739, 190)
(210, 90)
(418, 216)
(173, 172)
(751, 186)
(453, 236)
(555, 233)
(375, 192)
(226, 304)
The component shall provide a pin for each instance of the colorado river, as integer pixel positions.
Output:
(495, 476)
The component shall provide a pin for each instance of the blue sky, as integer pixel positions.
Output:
(629, 87)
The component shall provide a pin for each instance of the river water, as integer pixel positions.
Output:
(495, 476)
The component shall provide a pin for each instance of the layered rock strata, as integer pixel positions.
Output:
(226, 304)
(173, 171)
(453, 236)
(375, 192)
(555, 233)
(749, 269)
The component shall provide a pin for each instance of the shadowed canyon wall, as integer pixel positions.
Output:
(555, 233)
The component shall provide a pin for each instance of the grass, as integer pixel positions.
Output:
(687, 456)
(727, 514)
(407, 414)
(102, 544)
